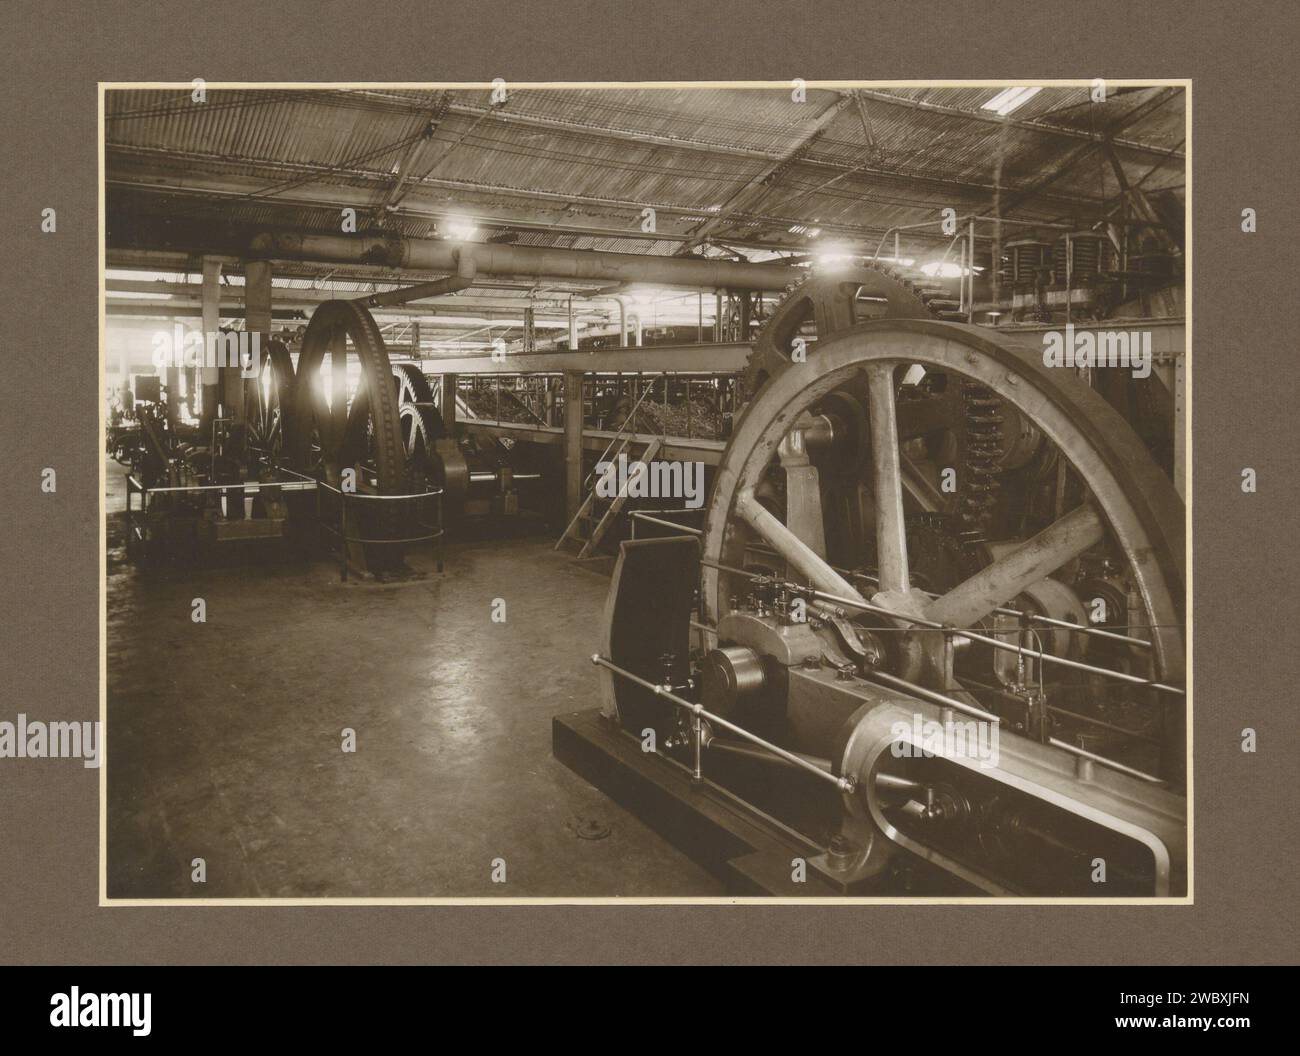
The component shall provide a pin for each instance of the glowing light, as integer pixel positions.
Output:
(944, 269)
(1010, 99)
(459, 229)
(833, 257)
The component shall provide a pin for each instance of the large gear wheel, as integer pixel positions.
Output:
(826, 304)
(422, 424)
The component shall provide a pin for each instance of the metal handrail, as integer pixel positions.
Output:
(356, 494)
(842, 783)
(966, 632)
(963, 220)
(639, 515)
(435, 535)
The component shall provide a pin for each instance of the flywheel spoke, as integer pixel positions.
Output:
(891, 537)
(1032, 561)
(798, 553)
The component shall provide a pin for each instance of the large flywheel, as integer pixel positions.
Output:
(347, 424)
(364, 432)
(862, 424)
(269, 402)
(941, 596)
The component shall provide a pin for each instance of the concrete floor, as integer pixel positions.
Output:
(224, 737)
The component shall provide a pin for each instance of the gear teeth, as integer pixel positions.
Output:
(982, 450)
(763, 360)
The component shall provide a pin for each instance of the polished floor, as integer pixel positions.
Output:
(225, 737)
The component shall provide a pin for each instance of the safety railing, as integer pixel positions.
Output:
(650, 518)
(433, 535)
(699, 741)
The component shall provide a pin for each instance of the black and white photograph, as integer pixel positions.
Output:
(647, 492)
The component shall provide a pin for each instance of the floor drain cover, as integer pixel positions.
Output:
(591, 829)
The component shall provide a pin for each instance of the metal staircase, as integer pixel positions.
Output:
(591, 522)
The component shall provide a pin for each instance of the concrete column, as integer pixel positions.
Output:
(548, 400)
(449, 402)
(210, 379)
(257, 320)
(572, 442)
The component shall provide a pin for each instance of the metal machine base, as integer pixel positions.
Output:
(750, 852)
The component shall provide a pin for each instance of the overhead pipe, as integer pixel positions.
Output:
(624, 317)
(584, 265)
(466, 269)
(622, 320)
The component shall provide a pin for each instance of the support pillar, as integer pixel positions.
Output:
(572, 442)
(448, 398)
(211, 379)
(257, 321)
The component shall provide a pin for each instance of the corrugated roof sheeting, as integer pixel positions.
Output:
(310, 128)
(759, 119)
(497, 155)
(570, 157)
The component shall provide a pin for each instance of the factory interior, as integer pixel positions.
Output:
(632, 492)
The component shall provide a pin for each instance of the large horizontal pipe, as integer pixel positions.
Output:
(292, 296)
(463, 279)
(468, 320)
(717, 358)
(586, 265)
(182, 310)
